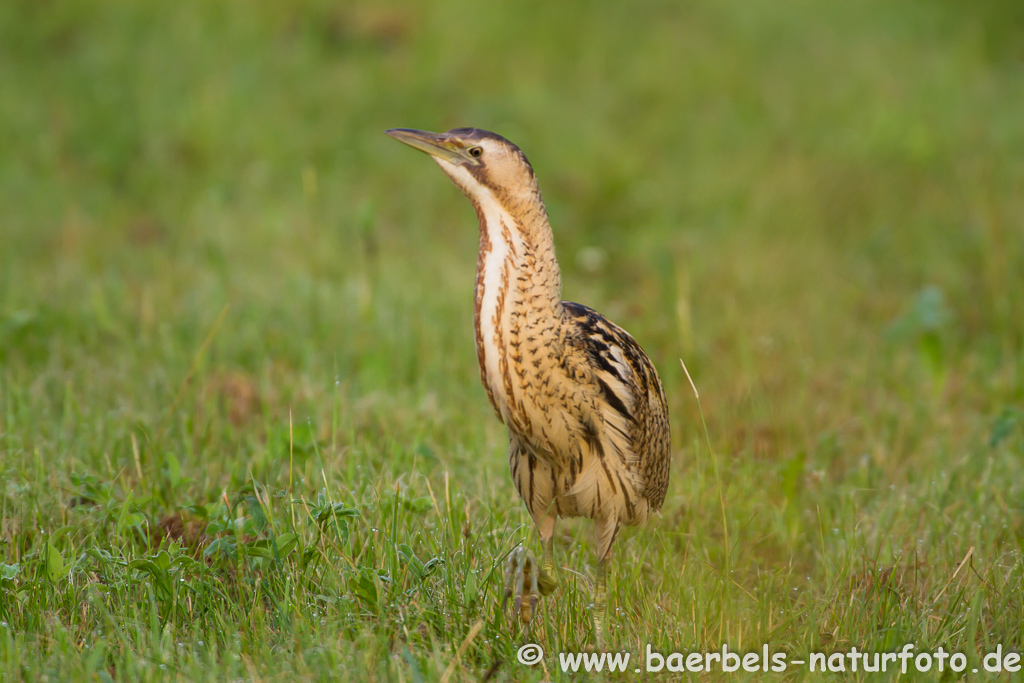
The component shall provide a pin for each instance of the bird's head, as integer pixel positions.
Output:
(483, 164)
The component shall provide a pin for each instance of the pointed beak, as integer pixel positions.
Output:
(438, 145)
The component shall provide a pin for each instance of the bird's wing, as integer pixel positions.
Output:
(630, 392)
(618, 366)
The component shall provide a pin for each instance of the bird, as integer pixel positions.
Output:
(587, 420)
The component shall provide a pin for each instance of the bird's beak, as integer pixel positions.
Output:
(438, 145)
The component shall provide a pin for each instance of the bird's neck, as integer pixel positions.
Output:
(518, 293)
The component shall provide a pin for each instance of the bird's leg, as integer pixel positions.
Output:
(528, 580)
(600, 602)
(548, 579)
(607, 529)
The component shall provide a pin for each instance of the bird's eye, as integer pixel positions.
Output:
(476, 152)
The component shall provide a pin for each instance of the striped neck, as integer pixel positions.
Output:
(518, 290)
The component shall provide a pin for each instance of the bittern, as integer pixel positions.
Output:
(586, 415)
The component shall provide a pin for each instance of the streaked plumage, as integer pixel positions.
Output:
(586, 414)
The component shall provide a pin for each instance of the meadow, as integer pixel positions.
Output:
(242, 434)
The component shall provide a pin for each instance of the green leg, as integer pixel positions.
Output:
(600, 603)
(548, 577)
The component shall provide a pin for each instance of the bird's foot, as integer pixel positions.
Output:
(527, 581)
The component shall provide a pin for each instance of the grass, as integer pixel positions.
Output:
(241, 429)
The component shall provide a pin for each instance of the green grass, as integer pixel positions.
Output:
(241, 429)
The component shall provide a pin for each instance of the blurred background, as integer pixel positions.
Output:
(818, 206)
(759, 188)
